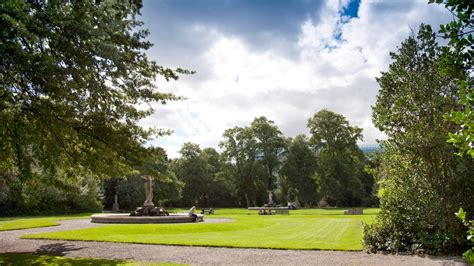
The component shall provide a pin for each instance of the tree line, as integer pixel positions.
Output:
(326, 169)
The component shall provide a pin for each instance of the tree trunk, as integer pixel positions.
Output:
(247, 199)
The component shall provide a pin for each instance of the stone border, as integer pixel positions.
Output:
(127, 219)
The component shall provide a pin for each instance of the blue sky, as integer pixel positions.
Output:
(281, 59)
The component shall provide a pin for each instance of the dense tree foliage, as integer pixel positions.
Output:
(201, 172)
(46, 195)
(72, 75)
(240, 154)
(270, 146)
(192, 170)
(340, 162)
(458, 54)
(298, 169)
(422, 182)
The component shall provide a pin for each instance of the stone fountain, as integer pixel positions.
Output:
(149, 208)
(149, 213)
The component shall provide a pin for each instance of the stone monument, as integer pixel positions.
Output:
(270, 198)
(149, 192)
(149, 208)
(115, 206)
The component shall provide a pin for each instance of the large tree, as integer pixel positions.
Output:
(73, 75)
(422, 183)
(299, 168)
(270, 147)
(340, 161)
(240, 155)
(192, 169)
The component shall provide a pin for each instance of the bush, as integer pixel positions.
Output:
(469, 254)
(414, 216)
(48, 195)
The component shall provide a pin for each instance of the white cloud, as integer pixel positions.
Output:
(334, 67)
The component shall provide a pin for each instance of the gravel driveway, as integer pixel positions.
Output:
(10, 242)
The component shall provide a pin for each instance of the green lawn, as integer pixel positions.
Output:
(32, 259)
(326, 229)
(36, 221)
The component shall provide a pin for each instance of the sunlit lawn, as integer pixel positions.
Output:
(32, 259)
(325, 229)
(15, 223)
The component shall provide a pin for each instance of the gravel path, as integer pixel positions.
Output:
(10, 242)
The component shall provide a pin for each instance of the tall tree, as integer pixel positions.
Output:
(221, 191)
(192, 169)
(240, 153)
(340, 161)
(270, 147)
(299, 168)
(73, 74)
(423, 183)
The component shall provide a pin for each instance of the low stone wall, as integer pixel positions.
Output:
(354, 212)
(127, 219)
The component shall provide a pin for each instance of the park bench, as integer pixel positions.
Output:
(354, 212)
(270, 210)
(210, 211)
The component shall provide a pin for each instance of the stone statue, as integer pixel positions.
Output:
(149, 192)
(270, 197)
(115, 207)
(149, 208)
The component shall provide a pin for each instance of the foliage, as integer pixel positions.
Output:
(191, 168)
(421, 181)
(462, 215)
(322, 229)
(200, 171)
(221, 188)
(463, 138)
(457, 55)
(270, 146)
(339, 162)
(459, 34)
(240, 156)
(299, 168)
(50, 195)
(410, 206)
(73, 74)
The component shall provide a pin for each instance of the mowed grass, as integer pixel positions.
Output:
(33, 259)
(325, 229)
(16, 223)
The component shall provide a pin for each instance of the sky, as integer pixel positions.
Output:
(283, 59)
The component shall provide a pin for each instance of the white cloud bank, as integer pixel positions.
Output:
(332, 64)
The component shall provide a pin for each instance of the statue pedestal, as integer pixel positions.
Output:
(115, 207)
(149, 211)
(148, 204)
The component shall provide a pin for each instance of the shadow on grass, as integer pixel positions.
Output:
(33, 259)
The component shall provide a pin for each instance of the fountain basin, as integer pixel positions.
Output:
(121, 218)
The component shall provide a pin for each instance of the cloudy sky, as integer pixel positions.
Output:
(283, 59)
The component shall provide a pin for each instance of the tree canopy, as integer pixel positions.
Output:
(340, 161)
(73, 76)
